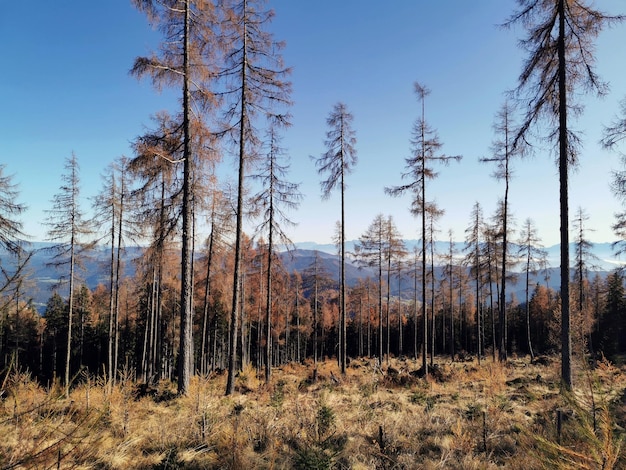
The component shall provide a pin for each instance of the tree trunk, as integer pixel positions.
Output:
(185, 358)
(566, 338)
(234, 323)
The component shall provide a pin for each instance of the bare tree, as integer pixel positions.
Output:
(276, 193)
(370, 251)
(433, 214)
(256, 85)
(474, 259)
(155, 214)
(12, 239)
(185, 61)
(110, 214)
(68, 229)
(503, 153)
(219, 220)
(560, 62)
(448, 270)
(317, 280)
(583, 261)
(425, 146)
(337, 162)
(534, 255)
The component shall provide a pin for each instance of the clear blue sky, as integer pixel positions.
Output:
(65, 87)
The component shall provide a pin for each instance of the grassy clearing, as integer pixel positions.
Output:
(466, 416)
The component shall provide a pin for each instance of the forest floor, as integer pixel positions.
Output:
(464, 416)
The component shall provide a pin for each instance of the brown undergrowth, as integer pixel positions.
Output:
(464, 416)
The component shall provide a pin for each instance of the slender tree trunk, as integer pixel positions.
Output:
(185, 359)
(315, 326)
(399, 312)
(205, 307)
(477, 279)
(451, 309)
(342, 334)
(432, 296)
(268, 313)
(530, 344)
(415, 315)
(112, 328)
(387, 321)
(380, 307)
(298, 345)
(68, 357)
(234, 324)
(566, 338)
(116, 290)
(423, 211)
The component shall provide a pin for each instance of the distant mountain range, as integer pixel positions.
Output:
(95, 271)
(605, 259)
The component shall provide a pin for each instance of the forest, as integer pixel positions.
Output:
(178, 317)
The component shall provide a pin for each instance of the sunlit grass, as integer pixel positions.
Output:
(465, 416)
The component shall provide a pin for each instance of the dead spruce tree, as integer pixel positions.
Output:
(425, 146)
(560, 64)
(256, 88)
(337, 162)
(185, 60)
(68, 229)
(276, 195)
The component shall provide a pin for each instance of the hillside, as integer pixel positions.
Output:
(94, 271)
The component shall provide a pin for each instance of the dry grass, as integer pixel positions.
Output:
(465, 417)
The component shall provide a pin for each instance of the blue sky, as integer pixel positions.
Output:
(65, 87)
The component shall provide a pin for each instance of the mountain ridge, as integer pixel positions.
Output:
(45, 276)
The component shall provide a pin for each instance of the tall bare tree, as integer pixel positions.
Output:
(68, 229)
(433, 214)
(474, 259)
(185, 60)
(257, 87)
(109, 207)
(425, 146)
(155, 204)
(560, 63)
(337, 162)
(584, 260)
(276, 195)
(394, 252)
(503, 153)
(449, 269)
(220, 221)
